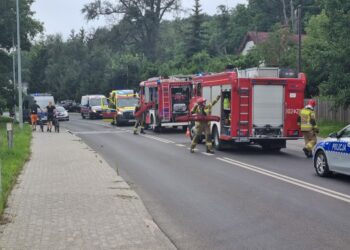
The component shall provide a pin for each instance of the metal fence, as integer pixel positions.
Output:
(325, 110)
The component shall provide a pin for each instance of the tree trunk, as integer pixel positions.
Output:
(285, 12)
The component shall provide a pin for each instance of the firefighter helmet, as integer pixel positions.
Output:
(312, 103)
(201, 100)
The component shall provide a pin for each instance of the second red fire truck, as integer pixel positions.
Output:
(257, 106)
(171, 98)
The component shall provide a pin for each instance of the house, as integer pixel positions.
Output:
(253, 38)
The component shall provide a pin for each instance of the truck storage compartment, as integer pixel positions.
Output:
(268, 110)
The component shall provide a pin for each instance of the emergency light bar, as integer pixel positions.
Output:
(41, 94)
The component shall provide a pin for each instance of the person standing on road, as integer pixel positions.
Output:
(113, 105)
(50, 115)
(203, 126)
(34, 114)
(139, 120)
(308, 126)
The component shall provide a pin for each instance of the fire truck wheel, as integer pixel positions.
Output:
(218, 144)
(82, 116)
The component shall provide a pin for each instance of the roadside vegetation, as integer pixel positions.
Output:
(327, 127)
(12, 160)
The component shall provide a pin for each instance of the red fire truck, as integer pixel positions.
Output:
(257, 106)
(171, 98)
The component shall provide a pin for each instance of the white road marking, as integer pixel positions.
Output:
(296, 182)
(208, 154)
(180, 145)
(96, 132)
(158, 139)
(195, 150)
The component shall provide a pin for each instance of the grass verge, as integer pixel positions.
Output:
(12, 161)
(327, 127)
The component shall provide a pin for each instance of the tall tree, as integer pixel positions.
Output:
(195, 35)
(29, 28)
(280, 48)
(144, 18)
(222, 30)
(329, 43)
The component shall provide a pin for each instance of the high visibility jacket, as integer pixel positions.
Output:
(227, 104)
(307, 120)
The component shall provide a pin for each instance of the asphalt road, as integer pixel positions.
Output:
(236, 199)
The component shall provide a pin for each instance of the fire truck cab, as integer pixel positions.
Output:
(257, 106)
(171, 98)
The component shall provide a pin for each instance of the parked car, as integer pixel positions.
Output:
(70, 105)
(333, 154)
(62, 113)
(91, 106)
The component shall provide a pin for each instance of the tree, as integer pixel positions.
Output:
(220, 39)
(326, 51)
(143, 17)
(195, 34)
(29, 28)
(279, 50)
(337, 36)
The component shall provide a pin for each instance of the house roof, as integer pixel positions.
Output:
(260, 37)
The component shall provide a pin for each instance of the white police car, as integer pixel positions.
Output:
(333, 154)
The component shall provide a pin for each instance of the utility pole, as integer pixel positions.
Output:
(300, 7)
(14, 76)
(20, 107)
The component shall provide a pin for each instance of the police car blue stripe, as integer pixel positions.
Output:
(337, 147)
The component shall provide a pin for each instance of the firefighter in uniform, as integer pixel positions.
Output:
(113, 105)
(203, 126)
(139, 121)
(307, 123)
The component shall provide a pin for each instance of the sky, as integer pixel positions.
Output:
(61, 16)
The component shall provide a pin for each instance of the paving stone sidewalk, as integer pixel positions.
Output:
(68, 197)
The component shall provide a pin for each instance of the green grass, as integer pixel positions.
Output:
(327, 127)
(12, 161)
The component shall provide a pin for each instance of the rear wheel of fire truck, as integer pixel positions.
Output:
(218, 144)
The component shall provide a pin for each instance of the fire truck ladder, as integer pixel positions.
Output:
(244, 114)
(166, 102)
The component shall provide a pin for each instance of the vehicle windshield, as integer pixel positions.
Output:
(127, 102)
(43, 101)
(98, 101)
(60, 109)
(180, 94)
(346, 133)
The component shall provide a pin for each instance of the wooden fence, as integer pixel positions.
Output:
(325, 110)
